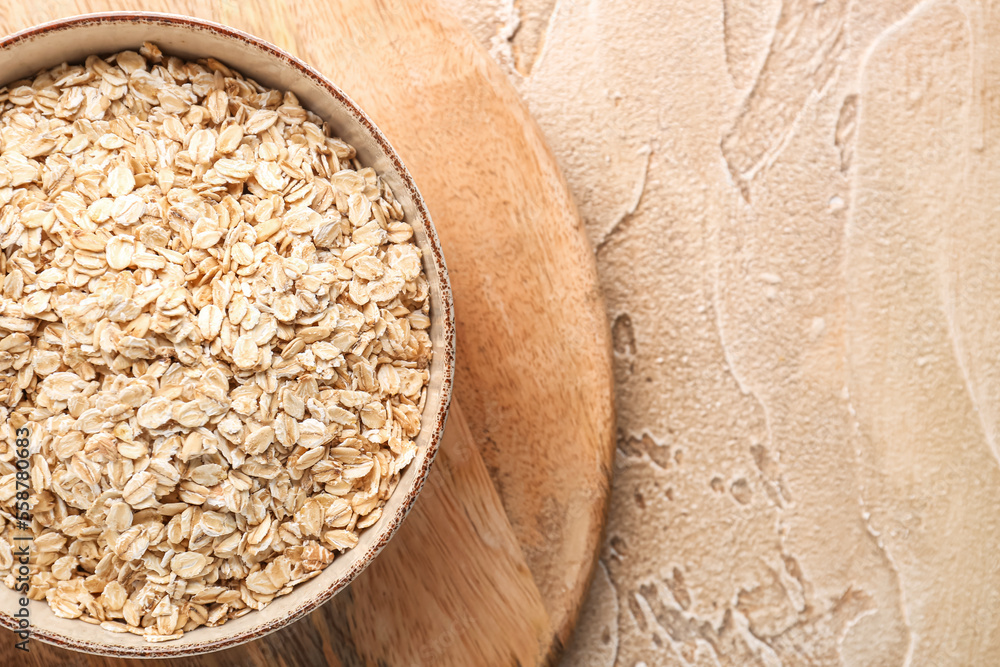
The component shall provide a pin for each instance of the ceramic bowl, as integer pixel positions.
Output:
(72, 40)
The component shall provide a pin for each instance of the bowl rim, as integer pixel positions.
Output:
(435, 426)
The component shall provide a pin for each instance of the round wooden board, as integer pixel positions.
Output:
(491, 566)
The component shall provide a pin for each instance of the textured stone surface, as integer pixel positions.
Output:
(792, 204)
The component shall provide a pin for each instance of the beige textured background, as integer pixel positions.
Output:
(794, 210)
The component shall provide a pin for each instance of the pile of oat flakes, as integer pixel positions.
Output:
(214, 322)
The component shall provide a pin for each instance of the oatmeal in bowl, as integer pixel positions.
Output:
(225, 339)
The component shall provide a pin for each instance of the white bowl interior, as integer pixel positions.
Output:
(75, 42)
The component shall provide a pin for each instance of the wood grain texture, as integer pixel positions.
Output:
(491, 566)
(533, 361)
